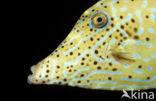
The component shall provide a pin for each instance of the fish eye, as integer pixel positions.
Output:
(99, 20)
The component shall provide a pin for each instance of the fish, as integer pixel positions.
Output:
(111, 47)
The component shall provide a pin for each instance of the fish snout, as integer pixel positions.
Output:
(34, 78)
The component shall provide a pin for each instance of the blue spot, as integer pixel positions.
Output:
(151, 30)
(146, 59)
(138, 13)
(144, 4)
(136, 56)
(148, 44)
(113, 9)
(140, 30)
(123, 8)
(152, 17)
(149, 68)
(106, 4)
(125, 0)
(153, 10)
(138, 71)
(138, 42)
(99, 5)
(126, 65)
(68, 63)
(154, 55)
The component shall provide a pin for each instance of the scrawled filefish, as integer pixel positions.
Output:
(112, 47)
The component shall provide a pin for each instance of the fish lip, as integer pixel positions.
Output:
(30, 79)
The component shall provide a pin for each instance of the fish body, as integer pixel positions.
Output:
(111, 47)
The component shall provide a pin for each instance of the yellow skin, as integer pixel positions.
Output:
(115, 52)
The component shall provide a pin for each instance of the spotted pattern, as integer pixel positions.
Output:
(119, 55)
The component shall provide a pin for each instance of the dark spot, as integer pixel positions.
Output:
(46, 76)
(98, 67)
(147, 16)
(78, 81)
(132, 20)
(43, 81)
(110, 64)
(112, 25)
(122, 26)
(117, 30)
(109, 78)
(71, 53)
(82, 75)
(135, 29)
(112, 19)
(105, 6)
(139, 66)
(91, 39)
(127, 23)
(121, 17)
(148, 78)
(104, 43)
(96, 51)
(87, 55)
(58, 67)
(114, 69)
(71, 43)
(125, 38)
(129, 76)
(82, 63)
(83, 59)
(117, 2)
(110, 36)
(88, 81)
(58, 55)
(98, 39)
(95, 62)
(147, 39)
(65, 80)
(136, 37)
(121, 34)
(107, 29)
(47, 71)
(70, 70)
(79, 53)
(91, 29)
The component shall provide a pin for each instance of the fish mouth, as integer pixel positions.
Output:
(31, 77)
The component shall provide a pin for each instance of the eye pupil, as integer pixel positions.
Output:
(99, 19)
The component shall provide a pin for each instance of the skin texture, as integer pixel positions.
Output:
(119, 53)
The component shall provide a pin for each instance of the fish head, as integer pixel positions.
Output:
(104, 42)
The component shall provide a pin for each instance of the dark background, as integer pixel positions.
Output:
(47, 25)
